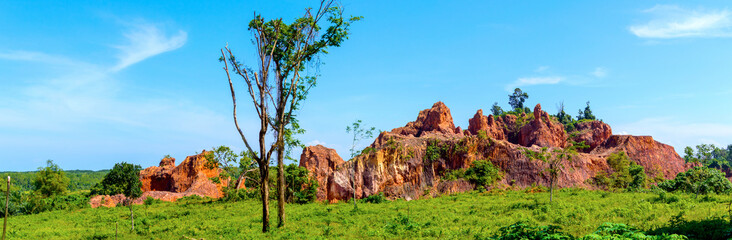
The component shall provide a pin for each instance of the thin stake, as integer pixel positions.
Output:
(7, 202)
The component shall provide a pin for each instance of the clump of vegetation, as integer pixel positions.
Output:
(482, 173)
(376, 198)
(625, 174)
(710, 156)
(124, 179)
(698, 180)
(301, 187)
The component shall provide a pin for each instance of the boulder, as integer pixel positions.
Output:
(320, 161)
(593, 133)
(543, 131)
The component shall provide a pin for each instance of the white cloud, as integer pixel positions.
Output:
(678, 134)
(530, 81)
(670, 21)
(315, 142)
(600, 72)
(541, 69)
(146, 40)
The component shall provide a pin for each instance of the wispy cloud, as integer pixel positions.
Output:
(530, 81)
(600, 72)
(146, 40)
(85, 104)
(541, 69)
(670, 21)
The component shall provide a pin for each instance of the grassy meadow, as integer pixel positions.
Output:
(472, 215)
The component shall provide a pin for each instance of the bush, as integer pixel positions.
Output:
(376, 198)
(698, 180)
(523, 230)
(482, 173)
(302, 188)
(624, 173)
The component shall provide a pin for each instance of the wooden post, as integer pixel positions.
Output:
(7, 202)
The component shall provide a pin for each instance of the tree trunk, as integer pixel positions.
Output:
(353, 184)
(7, 202)
(132, 215)
(551, 190)
(280, 187)
(264, 187)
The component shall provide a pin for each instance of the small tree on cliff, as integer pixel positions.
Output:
(277, 86)
(517, 99)
(555, 160)
(359, 133)
(124, 178)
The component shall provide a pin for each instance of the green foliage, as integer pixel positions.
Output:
(709, 155)
(586, 114)
(301, 187)
(579, 213)
(150, 201)
(612, 231)
(454, 174)
(698, 180)
(497, 110)
(482, 173)
(50, 180)
(517, 99)
(122, 179)
(625, 174)
(434, 151)
(359, 133)
(375, 198)
(78, 179)
(523, 230)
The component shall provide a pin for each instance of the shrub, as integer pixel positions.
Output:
(625, 174)
(376, 198)
(482, 173)
(301, 187)
(698, 180)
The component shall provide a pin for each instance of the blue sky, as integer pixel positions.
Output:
(89, 84)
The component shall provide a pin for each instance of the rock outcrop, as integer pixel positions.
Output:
(492, 128)
(543, 131)
(397, 164)
(169, 183)
(436, 119)
(592, 133)
(655, 157)
(321, 162)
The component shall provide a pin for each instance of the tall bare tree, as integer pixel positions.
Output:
(279, 84)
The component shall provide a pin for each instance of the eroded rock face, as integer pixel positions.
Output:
(542, 131)
(169, 183)
(593, 133)
(321, 162)
(436, 119)
(493, 129)
(396, 163)
(655, 157)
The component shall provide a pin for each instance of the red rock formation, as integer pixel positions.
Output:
(542, 131)
(593, 133)
(320, 161)
(396, 164)
(652, 155)
(169, 183)
(493, 129)
(436, 119)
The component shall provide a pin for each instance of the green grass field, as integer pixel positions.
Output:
(463, 216)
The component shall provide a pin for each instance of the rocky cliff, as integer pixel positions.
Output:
(169, 183)
(396, 162)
